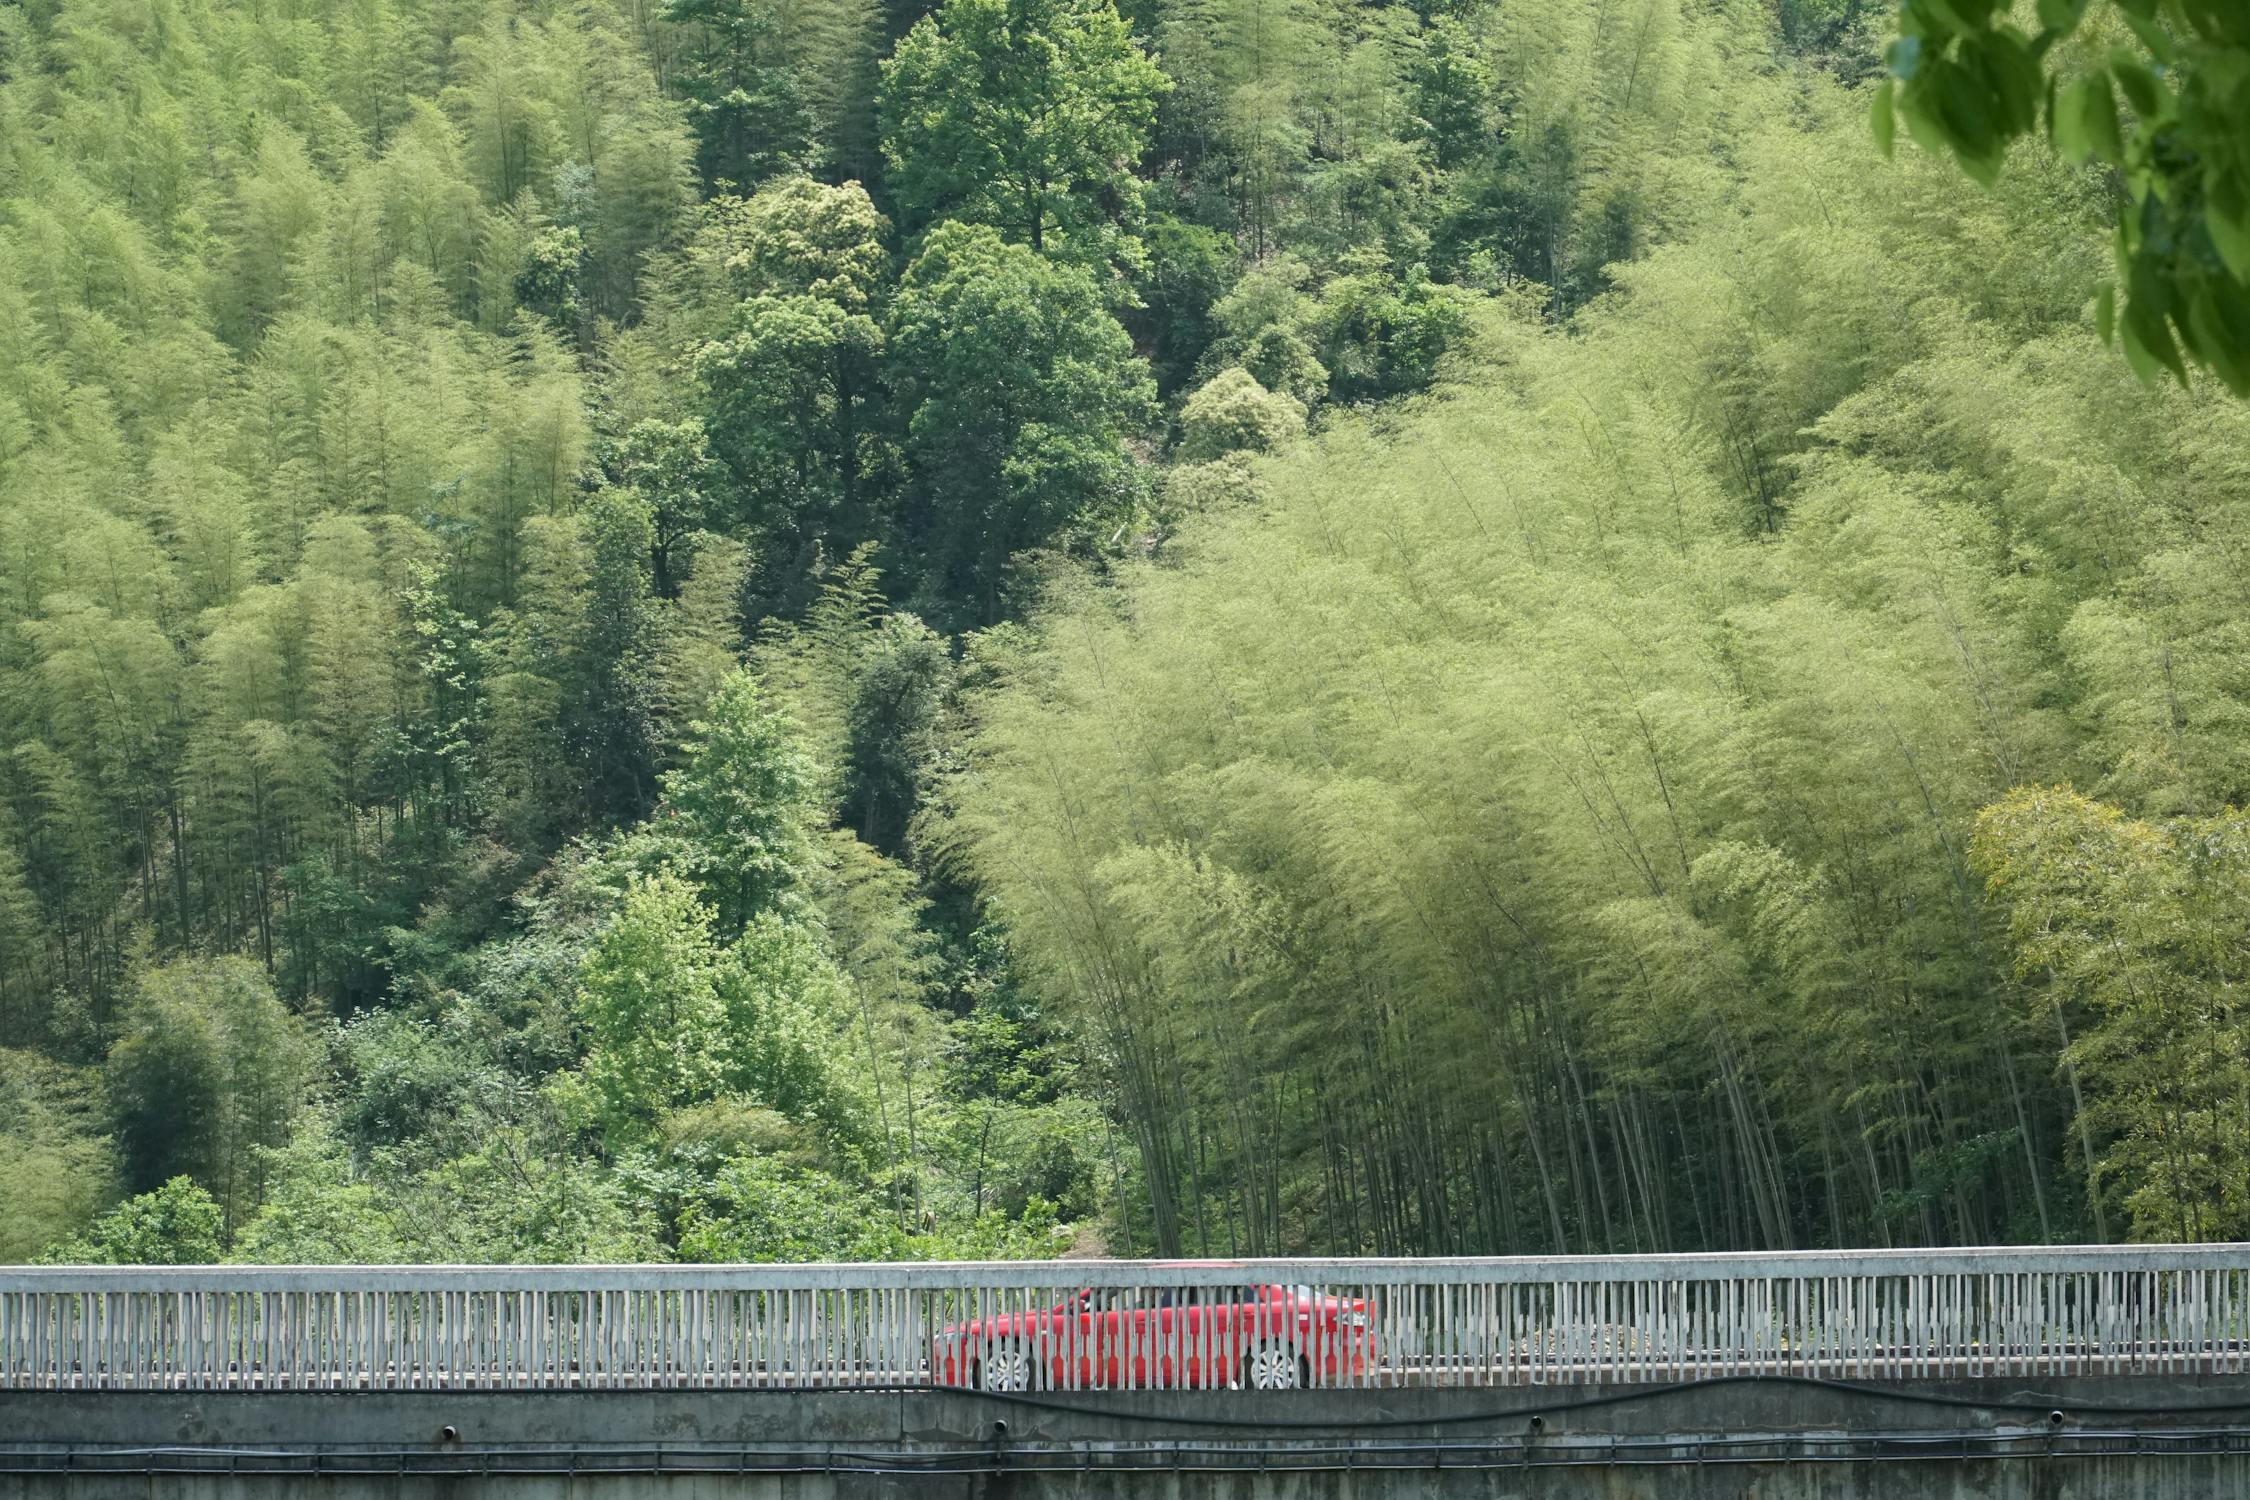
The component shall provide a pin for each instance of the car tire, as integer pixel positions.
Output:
(1273, 1366)
(1008, 1368)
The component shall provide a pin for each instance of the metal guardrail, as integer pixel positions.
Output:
(1073, 1325)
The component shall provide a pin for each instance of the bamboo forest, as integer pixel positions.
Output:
(785, 630)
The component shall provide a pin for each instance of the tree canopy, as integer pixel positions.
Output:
(1024, 115)
(1022, 392)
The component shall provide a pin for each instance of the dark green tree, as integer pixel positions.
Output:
(1026, 115)
(611, 730)
(1380, 333)
(1022, 390)
(1188, 269)
(206, 1041)
(892, 725)
(669, 466)
(1453, 103)
(750, 108)
(793, 391)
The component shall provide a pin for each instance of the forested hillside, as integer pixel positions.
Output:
(1624, 800)
(780, 629)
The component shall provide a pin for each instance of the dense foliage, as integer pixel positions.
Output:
(734, 630)
(1971, 78)
(1610, 803)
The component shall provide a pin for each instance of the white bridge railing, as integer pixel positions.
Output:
(1880, 1315)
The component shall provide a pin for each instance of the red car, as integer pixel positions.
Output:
(1263, 1337)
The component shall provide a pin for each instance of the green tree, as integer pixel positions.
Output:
(893, 724)
(317, 1211)
(1189, 269)
(1453, 95)
(738, 806)
(1024, 115)
(776, 87)
(679, 1018)
(1022, 391)
(1254, 61)
(1970, 80)
(534, 665)
(1262, 328)
(175, 1224)
(801, 238)
(206, 1040)
(547, 282)
(608, 713)
(21, 960)
(753, 118)
(702, 640)
(1379, 333)
(785, 1002)
(657, 1026)
(808, 666)
(1232, 413)
(764, 1209)
(794, 390)
(668, 466)
(56, 1166)
(1827, 26)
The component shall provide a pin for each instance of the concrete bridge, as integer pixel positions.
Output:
(2050, 1373)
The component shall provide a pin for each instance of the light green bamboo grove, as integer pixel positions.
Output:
(1547, 818)
(282, 448)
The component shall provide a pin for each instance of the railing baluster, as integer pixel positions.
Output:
(2033, 1312)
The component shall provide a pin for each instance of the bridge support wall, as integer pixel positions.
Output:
(2145, 1478)
(2155, 1437)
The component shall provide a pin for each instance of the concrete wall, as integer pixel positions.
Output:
(2120, 1479)
(1773, 1441)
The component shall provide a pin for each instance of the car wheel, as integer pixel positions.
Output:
(1007, 1368)
(1274, 1367)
